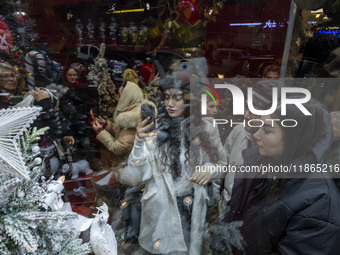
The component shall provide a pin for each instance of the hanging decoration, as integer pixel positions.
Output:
(69, 15)
(113, 27)
(31, 58)
(6, 43)
(147, 72)
(22, 29)
(187, 10)
(102, 30)
(27, 32)
(90, 31)
(80, 30)
(133, 33)
(124, 31)
(143, 30)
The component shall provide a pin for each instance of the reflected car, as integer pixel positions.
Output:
(253, 67)
(229, 61)
(231, 58)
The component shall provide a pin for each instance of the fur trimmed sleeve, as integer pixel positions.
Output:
(215, 141)
(140, 164)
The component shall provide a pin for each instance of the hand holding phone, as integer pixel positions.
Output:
(101, 121)
(148, 111)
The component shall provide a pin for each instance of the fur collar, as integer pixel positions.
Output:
(128, 119)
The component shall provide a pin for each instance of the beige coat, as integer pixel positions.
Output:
(119, 135)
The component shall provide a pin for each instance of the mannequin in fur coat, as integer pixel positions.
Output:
(175, 198)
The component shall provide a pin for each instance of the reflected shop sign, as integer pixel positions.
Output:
(266, 24)
(328, 30)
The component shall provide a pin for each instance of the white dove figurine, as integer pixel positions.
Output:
(102, 237)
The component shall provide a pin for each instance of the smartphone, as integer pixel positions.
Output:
(92, 115)
(148, 110)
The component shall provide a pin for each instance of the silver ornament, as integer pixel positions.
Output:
(35, 149)
(21, 194)
(38, 160)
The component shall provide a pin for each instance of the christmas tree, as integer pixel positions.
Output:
(31, 217)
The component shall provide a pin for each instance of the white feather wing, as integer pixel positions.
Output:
(102, 239)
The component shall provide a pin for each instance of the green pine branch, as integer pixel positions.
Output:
(19, 232)
(28, 140)
(46, 216)
(7, 188)
(25, 226)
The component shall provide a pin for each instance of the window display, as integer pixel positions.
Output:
(240, 155)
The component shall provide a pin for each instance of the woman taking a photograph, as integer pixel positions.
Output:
(285, 213)
(174, 201)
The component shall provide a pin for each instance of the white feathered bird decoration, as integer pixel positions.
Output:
(102, 237)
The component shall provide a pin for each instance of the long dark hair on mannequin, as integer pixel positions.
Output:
(176, 133)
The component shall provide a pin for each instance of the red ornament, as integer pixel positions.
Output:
(187, 10)
(6, 43)
(147, 72)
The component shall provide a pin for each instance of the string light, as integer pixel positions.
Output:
(69, 15)
(187, 201)
(125, 11)
(124, 205)
(156, 244)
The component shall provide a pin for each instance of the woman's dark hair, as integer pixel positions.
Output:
(206, 144)
(302, 138)
(171, 131)
(271, 68)
(169, 137)
(299, 140)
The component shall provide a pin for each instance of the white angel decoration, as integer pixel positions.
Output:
(102, 237)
